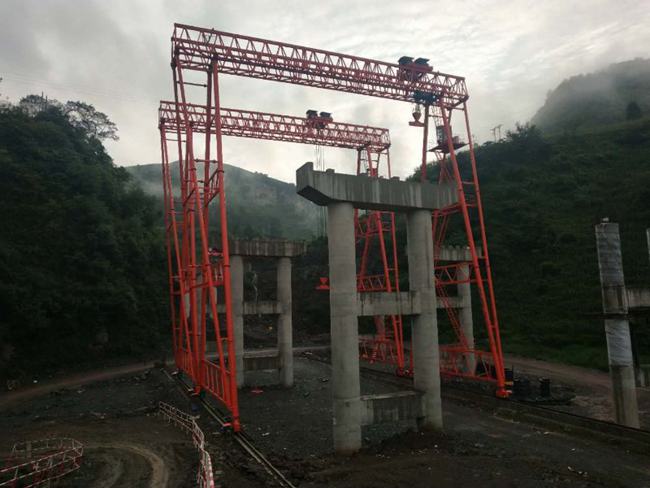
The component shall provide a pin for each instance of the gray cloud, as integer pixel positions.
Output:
(116, 56)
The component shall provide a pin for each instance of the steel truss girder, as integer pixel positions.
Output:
(197, 48)
(276, 127)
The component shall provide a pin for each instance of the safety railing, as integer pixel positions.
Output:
(205, 476)
(37, 463)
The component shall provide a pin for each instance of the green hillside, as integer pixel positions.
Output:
(542, 198)
(257, 204)
(82, 273)
(617, 93)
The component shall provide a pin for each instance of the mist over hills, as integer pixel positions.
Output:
(595, 99)
(258, 205)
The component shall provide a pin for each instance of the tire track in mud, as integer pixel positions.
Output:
(124, 463)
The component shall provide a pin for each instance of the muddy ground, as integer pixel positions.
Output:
(125, 442)
(126, 445)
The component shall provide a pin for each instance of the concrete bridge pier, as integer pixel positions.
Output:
(285, 328)
(426, 356)
(237, 294)
(346, 385)
(465, 313)
(617, 327)
(278, 361)
(342, 194)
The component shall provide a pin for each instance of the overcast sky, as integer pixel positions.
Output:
(115, 55)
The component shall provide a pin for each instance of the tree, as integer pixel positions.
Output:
(632, 111)
(91, 121)
(82, 266)
(82, 116)
(35, 104)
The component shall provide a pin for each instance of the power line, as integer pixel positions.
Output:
(21, 79)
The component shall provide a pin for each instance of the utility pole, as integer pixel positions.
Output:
(496, 132)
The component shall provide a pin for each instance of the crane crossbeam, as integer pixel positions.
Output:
(275, 127)
(196, 48)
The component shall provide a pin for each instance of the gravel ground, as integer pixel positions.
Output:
(294, 428)
(127, 446)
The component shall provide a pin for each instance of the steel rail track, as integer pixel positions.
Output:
(630, 437)
(241, 438)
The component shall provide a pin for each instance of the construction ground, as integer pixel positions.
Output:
(113, 413)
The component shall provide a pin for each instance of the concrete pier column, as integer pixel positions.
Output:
(346, 388)
(237, 293)
(617, 327)
(285, 330)
(426, 356)
(465, 313)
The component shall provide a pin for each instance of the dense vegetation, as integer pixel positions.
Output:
(82, 273)
(542, 198)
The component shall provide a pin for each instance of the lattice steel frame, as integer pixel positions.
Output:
(214, 51)
(372, 146)
(199, 272)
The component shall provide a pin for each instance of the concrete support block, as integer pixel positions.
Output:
(237, 293)
(393, 303)
(285, 330)
(391, 407)
(262, 307)
(425, 325)
(638, 298)
(267, 248)
(465, 313)
(617, 327)
(346, 387)
(457, 253)
(643, 376)
(261, 361)
(384, 303)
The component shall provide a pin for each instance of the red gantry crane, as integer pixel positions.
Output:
(210, 53)
(372, 147)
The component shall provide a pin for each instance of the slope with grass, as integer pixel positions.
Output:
(542, 198)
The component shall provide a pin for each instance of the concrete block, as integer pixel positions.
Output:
(267, 248)
(643, 376)
(263, 361)
(402, 303)
(384, 303)
(638, 298)
(391, 407)
(263, 307)
(457, 253)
